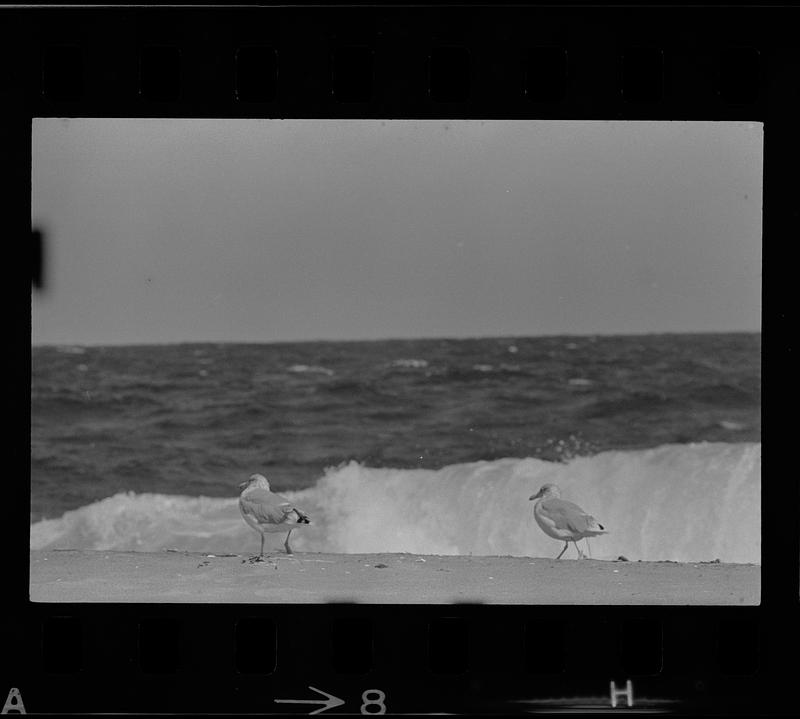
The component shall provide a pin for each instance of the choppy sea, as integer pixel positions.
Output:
(425, 446)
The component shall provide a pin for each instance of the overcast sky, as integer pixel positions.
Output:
(271, 230)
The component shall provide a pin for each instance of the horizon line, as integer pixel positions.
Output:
(391, 339)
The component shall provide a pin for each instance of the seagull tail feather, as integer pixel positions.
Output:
(595, 527)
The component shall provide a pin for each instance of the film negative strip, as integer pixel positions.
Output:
(234, 214)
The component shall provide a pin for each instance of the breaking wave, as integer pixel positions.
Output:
(690, 503)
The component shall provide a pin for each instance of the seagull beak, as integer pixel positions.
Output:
(535, 496)
(242, 485)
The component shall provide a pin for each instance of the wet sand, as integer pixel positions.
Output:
(105, 576)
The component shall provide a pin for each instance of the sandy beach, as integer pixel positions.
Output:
(106, 576)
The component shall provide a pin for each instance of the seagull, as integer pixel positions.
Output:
(561, 519)
(268, 512)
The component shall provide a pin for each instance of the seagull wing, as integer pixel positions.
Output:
(265, 507)
(288, 508)
(567, 515)
(269, 508)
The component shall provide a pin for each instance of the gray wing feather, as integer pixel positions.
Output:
(567, 515)
(266, 507)
(269, 508)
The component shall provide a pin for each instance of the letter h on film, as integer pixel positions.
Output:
(626, 692)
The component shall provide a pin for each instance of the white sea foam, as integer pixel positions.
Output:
(410, 363)
(694, 502)
(731, 425)
(313, 369)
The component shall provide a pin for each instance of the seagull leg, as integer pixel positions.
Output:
(581, 555)
(589, 547)
(566, 544)
(258, 557)
(286, 543)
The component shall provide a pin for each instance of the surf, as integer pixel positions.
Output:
(683, 503)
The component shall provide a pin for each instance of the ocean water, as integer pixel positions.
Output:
(425, 446)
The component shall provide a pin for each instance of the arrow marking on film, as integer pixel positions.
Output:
(330, 702)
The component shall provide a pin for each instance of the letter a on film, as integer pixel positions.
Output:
(13, 702)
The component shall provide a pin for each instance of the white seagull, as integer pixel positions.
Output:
(561, 519)
(265, 511)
